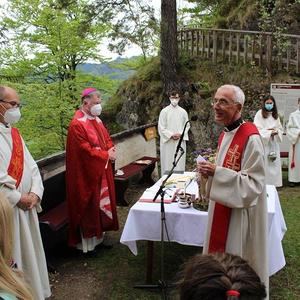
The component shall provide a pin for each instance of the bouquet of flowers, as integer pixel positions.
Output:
(209, 155)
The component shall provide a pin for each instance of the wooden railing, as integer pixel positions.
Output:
(239, 46)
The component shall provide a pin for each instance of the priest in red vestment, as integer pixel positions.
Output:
(89, 175)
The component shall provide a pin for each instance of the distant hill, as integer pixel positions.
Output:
(106, 69)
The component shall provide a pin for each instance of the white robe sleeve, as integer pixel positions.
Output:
(263, 125)
(8, 185)
(292, 130)
(279, 128)
(164, 132)
(188, 126)
(241, 189)
(263, 131)
(37, 183)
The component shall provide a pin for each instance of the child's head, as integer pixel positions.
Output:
(219, 276)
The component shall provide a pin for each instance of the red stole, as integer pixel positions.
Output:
(16, 164)
(293, 157)
(232, 160)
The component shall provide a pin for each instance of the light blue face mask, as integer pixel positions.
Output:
(269, 106)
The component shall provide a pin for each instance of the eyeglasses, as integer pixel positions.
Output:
(12, 103)
(222, 102)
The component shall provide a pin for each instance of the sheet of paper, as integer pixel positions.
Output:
(200, 158)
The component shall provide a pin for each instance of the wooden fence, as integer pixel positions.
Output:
(239, 46)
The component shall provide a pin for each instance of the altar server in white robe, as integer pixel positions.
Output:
(237, 215)
(268, 123)
(293, 134)
(170, 126)
(21, 182)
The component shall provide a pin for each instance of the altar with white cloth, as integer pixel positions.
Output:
(188, 226)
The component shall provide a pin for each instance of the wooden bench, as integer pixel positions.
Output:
(54, 217)
(130, 171)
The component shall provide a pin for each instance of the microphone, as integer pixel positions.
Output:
(193, 118)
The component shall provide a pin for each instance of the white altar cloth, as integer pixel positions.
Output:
(188, 226)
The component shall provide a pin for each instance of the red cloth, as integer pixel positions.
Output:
(16, 164)
(232, 160)
(86, 158)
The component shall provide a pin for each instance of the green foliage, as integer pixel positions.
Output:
(278, 16)
(48, 109)
(51, 36)
(140, 28)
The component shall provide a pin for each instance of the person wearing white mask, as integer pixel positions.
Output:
(293, 134)
(170, 126)
(21, 183)
(268, 123)
(89, 175)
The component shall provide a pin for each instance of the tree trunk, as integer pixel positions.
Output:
(168, 45)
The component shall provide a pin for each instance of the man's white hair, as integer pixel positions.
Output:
(239, 94)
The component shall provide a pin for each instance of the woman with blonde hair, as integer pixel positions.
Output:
(12, 285)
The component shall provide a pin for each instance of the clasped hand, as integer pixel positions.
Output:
(206, 168)
(28, 201)
(176, 136)
(112, 153)
(273, 131)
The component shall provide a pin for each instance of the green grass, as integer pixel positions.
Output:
(285, 284)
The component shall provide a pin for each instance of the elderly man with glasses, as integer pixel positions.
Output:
(21, 182)
(237, 216)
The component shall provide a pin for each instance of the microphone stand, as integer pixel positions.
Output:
(162, 285)
(180, 142)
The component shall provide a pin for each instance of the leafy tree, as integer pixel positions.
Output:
(55, 35)
(138, 25)
(268, 15)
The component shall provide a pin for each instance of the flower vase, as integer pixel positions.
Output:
(202, 188)
(201, 203)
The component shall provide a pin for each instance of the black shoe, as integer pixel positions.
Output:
(291, 184)
(104, 246)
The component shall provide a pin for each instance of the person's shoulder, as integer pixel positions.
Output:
(259, 112)
(164, 110)
(295, 113)
(181, 108)
(74, 123)
(255, 140)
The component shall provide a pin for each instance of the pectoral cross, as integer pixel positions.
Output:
(233, 155)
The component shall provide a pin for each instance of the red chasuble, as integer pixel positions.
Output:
(232, 160)
(89, 179)
(16, 164)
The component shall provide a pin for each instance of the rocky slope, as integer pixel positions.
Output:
(140, 99)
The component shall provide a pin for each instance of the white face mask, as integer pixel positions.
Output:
(12, 115)
(174, 102)
(96, 110)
